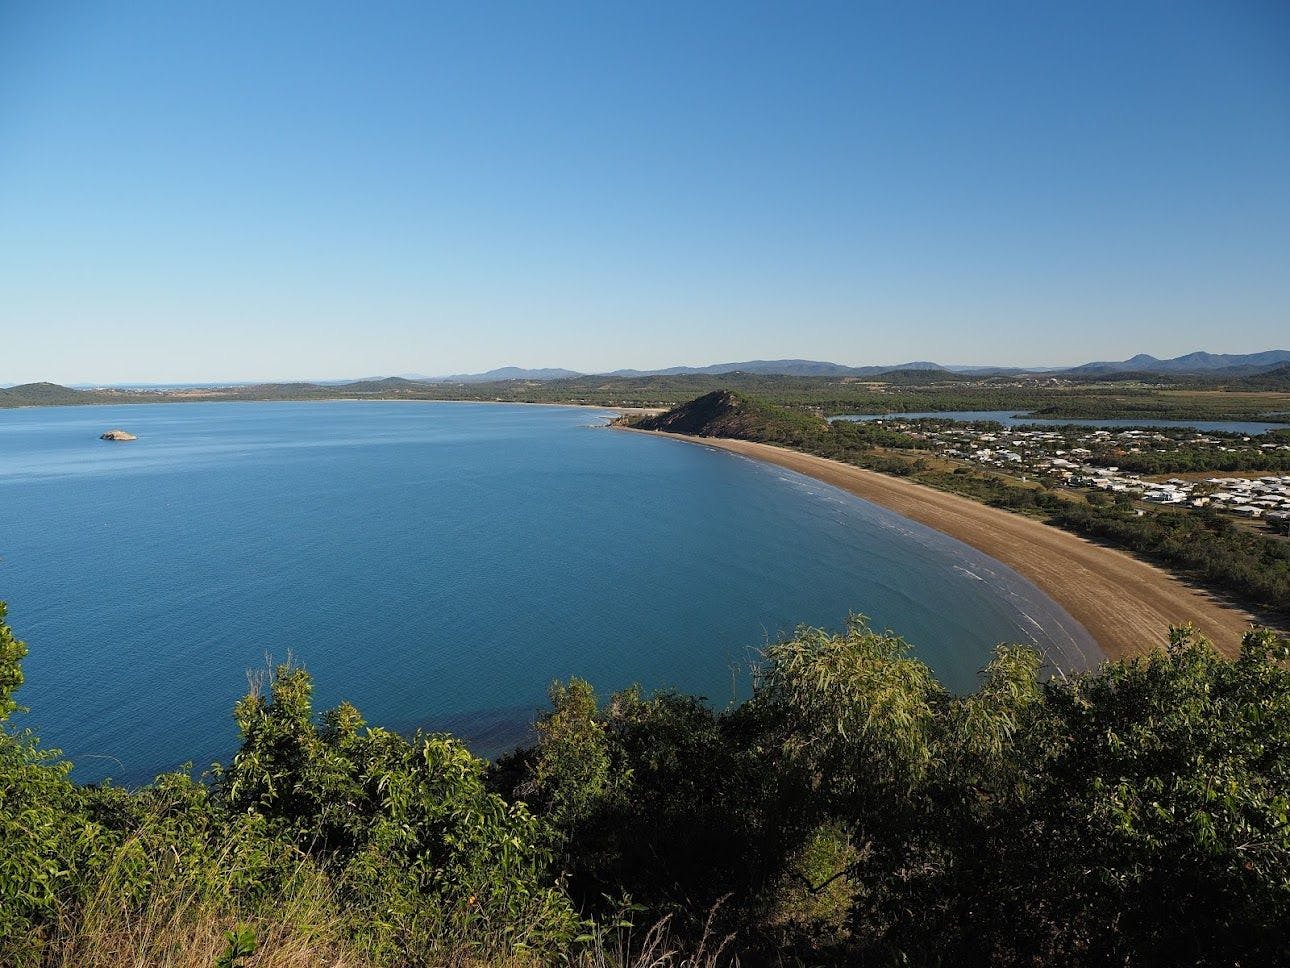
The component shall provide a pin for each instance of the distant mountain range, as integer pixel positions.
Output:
(766, 367)
(1209, 364)
(1204, 363)
(777, 368)
(497, 375)
(1267, 370)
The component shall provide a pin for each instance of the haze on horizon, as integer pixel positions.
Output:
(292, 191)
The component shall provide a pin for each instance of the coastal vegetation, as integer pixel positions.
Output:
(1170, 450)
(853, 811)
(1248, 566)
(1251, 567)
(1181, 397)
(1191, 460)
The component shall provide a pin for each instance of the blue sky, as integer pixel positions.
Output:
(248, 191)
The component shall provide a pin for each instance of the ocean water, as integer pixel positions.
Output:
(437, 564)
(1013, 418)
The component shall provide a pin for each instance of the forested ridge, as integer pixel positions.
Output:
(852, 812)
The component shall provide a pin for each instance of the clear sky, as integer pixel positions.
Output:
(194, 191)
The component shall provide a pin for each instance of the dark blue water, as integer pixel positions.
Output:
(1011, 418)
(437, 564)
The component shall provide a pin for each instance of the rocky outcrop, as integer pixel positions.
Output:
(117, 435)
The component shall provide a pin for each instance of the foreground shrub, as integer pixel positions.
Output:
(852, 812)
(424, 854)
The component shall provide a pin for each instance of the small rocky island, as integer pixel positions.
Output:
(117, 435)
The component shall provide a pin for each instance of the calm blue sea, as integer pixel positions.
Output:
(438, 564)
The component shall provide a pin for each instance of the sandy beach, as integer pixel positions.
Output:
(1127, 605)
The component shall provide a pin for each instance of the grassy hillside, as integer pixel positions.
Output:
(852, 812)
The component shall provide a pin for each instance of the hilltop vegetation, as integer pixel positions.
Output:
(852, 812)
(45, 395)
(728, 413)
(1276, 379)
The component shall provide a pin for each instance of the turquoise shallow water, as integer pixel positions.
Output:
(437, 564)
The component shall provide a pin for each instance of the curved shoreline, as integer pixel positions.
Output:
(1066, 645)
(1125, 604)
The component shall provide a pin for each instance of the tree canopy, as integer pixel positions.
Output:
(853, 811)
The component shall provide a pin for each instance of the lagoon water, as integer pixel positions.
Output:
(437, 564)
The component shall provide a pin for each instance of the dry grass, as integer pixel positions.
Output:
(197, 940)
(183, 936)
(185, 917)
(184, 928)
(656, 949)
(188, 918)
